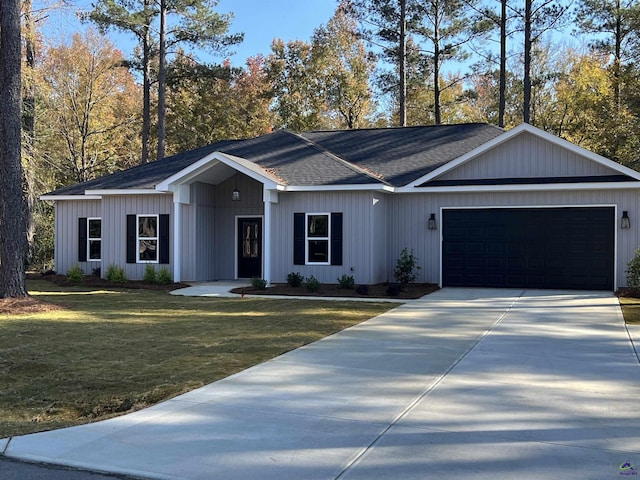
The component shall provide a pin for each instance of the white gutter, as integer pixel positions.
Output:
(70, 197)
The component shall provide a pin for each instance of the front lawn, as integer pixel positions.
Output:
(91, 354)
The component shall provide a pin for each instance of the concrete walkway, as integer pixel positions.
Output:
(486, 384)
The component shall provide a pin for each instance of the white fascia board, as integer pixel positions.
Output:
(250, 169)
(185, 174)
(524, 127)
(126, 191)
(240, 164)
(338, 188)
(70, 197)
(540, 187)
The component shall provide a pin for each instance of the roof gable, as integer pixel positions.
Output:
(526, 155)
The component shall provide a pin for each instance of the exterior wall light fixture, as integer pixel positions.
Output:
(431, 223)
(235, 195)
(625, 223)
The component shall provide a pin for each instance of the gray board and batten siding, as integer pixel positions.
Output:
(115, 209)
(67, 214)
(527, 156)
(364, 235)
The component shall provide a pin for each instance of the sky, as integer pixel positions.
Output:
(261, 21)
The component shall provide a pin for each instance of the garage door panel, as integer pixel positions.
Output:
(569, 247)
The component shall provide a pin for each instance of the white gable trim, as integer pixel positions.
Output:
(505, 137)
(540, 187)
(240, 164)
(125, 191)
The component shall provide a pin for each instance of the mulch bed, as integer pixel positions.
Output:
(382, 290)
(93, 281)
(32, 305)
(630, 292)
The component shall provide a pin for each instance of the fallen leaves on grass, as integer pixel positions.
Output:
(25, 306)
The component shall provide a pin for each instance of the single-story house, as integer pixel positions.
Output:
(479, 206)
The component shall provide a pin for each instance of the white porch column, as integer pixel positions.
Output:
(181, 194)
(177, 239)
(269, 197)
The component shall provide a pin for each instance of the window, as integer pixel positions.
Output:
(94, 239)
(317, 238)
(147, 240)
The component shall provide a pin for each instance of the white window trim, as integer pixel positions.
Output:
(156, 238)
(307, 238)
(90, 238)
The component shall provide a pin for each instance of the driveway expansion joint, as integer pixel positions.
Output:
(428, 390)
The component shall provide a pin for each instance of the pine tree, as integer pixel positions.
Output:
(13, 238)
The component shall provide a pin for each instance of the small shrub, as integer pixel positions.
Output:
(150, 275)
(346, 282)
(164, 276)
(75, 274)
(96, 272)
(406, 270)
(295, 279)
(393, 290)
(312, 284)
(259, 283)
(362, 289)
(633, 271)
(116, 274)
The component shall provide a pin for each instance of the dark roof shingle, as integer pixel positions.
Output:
(394, 156)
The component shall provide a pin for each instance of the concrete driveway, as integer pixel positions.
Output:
(465, 383)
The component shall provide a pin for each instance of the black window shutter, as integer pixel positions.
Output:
(298, 239)
(131, 238)
(336, 238)
(82, 239)
(163, 239)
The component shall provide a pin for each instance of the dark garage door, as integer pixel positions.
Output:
(533, 247)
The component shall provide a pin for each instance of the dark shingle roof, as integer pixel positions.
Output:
(394, 156)
(402, 155)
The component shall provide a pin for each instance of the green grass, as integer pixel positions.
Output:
(630, 309)
(108, 352)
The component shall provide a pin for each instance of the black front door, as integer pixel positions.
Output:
(249, 248)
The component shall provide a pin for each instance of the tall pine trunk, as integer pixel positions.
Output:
(162, 79)
(503, 63)
(29, 122)
(146, 87)
(526, 104)
(13, 238)
(402, 58)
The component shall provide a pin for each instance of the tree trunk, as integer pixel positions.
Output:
(402, 58)
(436, 69)
(28, 121)
(146, 89)
(13, 243)
(617, 61)
(162, 80)
(503, 64)
(526, 104)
